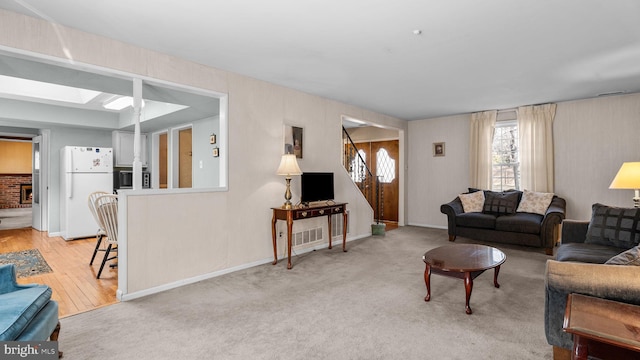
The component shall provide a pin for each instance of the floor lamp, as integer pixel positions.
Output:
(288, 167)
(628, 177)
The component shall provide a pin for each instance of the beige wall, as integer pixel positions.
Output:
(172, 238)
(15, 157)
(436, 180)
(592, 138)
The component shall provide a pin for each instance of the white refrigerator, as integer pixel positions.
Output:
(84, 170)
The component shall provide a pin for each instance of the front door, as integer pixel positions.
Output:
(384, 164)
(382, 158)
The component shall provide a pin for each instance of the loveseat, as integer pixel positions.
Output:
(27, 312)
(598, 258)
(501, 217)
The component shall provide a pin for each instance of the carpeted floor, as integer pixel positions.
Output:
(367, 303)
(27, 262)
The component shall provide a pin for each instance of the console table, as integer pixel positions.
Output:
(297, 213)
(602, 328)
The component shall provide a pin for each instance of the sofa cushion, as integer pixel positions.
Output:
(535, 202)
(614, 226)
(587, 253)
(500, 203)
(472, 202)
(629, 257)
(18, 308)
(520, 222)
(476, 220)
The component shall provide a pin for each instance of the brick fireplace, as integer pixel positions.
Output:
(15, 191)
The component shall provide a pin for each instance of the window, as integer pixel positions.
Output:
(358, 167)
(386, 167)
(505, 161)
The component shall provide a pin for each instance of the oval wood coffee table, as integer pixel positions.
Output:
(463, 261)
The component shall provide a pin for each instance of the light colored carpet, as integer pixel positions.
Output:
(367, 303)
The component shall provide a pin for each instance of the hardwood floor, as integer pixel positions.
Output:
(73, 280)
(390, 225)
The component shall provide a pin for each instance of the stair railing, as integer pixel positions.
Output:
(361, 175)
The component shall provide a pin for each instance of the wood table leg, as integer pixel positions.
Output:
(427, 281)
(330, 235)
(289, 234)
(580, 348)
(495, 276)
(273, 237)
(344, 230)
(468, 286)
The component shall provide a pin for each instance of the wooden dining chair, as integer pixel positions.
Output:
(107, 210)
(100, 234)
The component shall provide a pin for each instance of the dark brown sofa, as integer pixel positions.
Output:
(511, 227)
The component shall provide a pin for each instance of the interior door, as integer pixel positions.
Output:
(36, 180)
(163, 161)
(185, 156)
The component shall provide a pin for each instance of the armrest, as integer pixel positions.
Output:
(452, 209)
(574, 231)
(554, 216)
(613, 282)
(8, 280)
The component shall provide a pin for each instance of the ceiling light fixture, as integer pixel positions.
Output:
(417, 32)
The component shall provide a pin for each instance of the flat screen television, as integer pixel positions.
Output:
(316, 186)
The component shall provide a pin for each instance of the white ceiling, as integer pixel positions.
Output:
(471, 55)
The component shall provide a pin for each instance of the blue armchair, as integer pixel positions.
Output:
(27, 312)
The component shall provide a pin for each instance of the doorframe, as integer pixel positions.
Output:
(401, 163)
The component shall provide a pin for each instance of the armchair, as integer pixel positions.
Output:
(26, 311)
(600, 263)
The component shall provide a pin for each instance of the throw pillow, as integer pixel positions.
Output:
(535, 202)
(500, 203)
(614, 226)
(629, 257)
(472, 202)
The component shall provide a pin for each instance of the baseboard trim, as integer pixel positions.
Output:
(429, 226)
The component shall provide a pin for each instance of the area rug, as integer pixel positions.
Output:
(28, 262)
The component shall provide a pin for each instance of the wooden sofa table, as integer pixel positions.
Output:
(297, 213)
(602, 328)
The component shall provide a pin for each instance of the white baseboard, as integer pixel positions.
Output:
(429, 226)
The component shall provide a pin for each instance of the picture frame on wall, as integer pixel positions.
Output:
(294, 140)
(438, 149)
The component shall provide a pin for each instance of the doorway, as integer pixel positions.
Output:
(382, 157)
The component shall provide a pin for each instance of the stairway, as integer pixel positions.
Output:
(361, 175)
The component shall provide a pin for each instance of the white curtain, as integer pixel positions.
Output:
(535, 129)
(480, 145)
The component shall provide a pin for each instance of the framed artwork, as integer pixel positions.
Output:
(293, 140)
(438, 149)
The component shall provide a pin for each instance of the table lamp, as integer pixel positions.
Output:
(628, 177)
(288, 166)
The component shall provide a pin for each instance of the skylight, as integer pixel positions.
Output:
(119, 103)
(12, 86)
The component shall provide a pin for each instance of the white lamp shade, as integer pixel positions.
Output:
(628, 177)
(288, 166)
